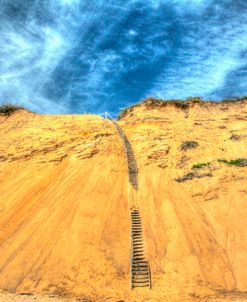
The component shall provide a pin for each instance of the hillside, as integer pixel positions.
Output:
(65, 203)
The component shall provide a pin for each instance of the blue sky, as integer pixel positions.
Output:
(72, 56)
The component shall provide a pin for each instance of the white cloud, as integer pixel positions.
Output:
(69, 2)
(132, 32)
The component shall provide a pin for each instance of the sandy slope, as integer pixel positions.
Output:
(64, 208)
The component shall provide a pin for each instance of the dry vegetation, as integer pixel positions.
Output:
(8, 109)
(152, 102)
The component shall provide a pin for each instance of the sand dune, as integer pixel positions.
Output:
(65, 200)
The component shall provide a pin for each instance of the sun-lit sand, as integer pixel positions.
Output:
(64, 205)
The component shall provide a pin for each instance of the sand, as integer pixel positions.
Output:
(64, 205)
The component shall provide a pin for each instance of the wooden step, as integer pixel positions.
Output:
(140, 278)
(139, 269)
(139, 254)
(140, 273)
(139, 264)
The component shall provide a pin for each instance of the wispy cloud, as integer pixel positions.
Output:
(79, 55)
(210, 50)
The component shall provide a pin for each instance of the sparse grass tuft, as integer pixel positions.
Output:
(240, 162)
(189, 145)
(191, 175)
(196, 99)
(201, 165)
(235, 137)
(181, 104)
(8, 109)
(123, 113)
(234, 99)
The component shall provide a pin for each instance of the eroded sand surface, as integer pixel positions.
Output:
(23, 297)
(64, 207)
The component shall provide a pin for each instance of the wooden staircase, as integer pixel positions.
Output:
(140, 270)
(132, 165)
